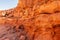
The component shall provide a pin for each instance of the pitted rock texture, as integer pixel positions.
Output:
(9, 33)
(37, 19)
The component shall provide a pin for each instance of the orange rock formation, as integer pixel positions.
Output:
(40, 18)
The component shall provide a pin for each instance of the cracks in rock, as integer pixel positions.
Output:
(12, 33)
(57, 12)
(46, 13)
(55, 27)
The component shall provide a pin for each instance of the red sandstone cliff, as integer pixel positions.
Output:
(40, 19)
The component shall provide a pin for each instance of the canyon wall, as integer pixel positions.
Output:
(33, 20)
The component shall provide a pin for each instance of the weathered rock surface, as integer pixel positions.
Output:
(35, 19)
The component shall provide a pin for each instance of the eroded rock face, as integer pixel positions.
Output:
(35, 19)
(9, 33)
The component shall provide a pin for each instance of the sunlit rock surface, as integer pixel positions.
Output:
(31, 20)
